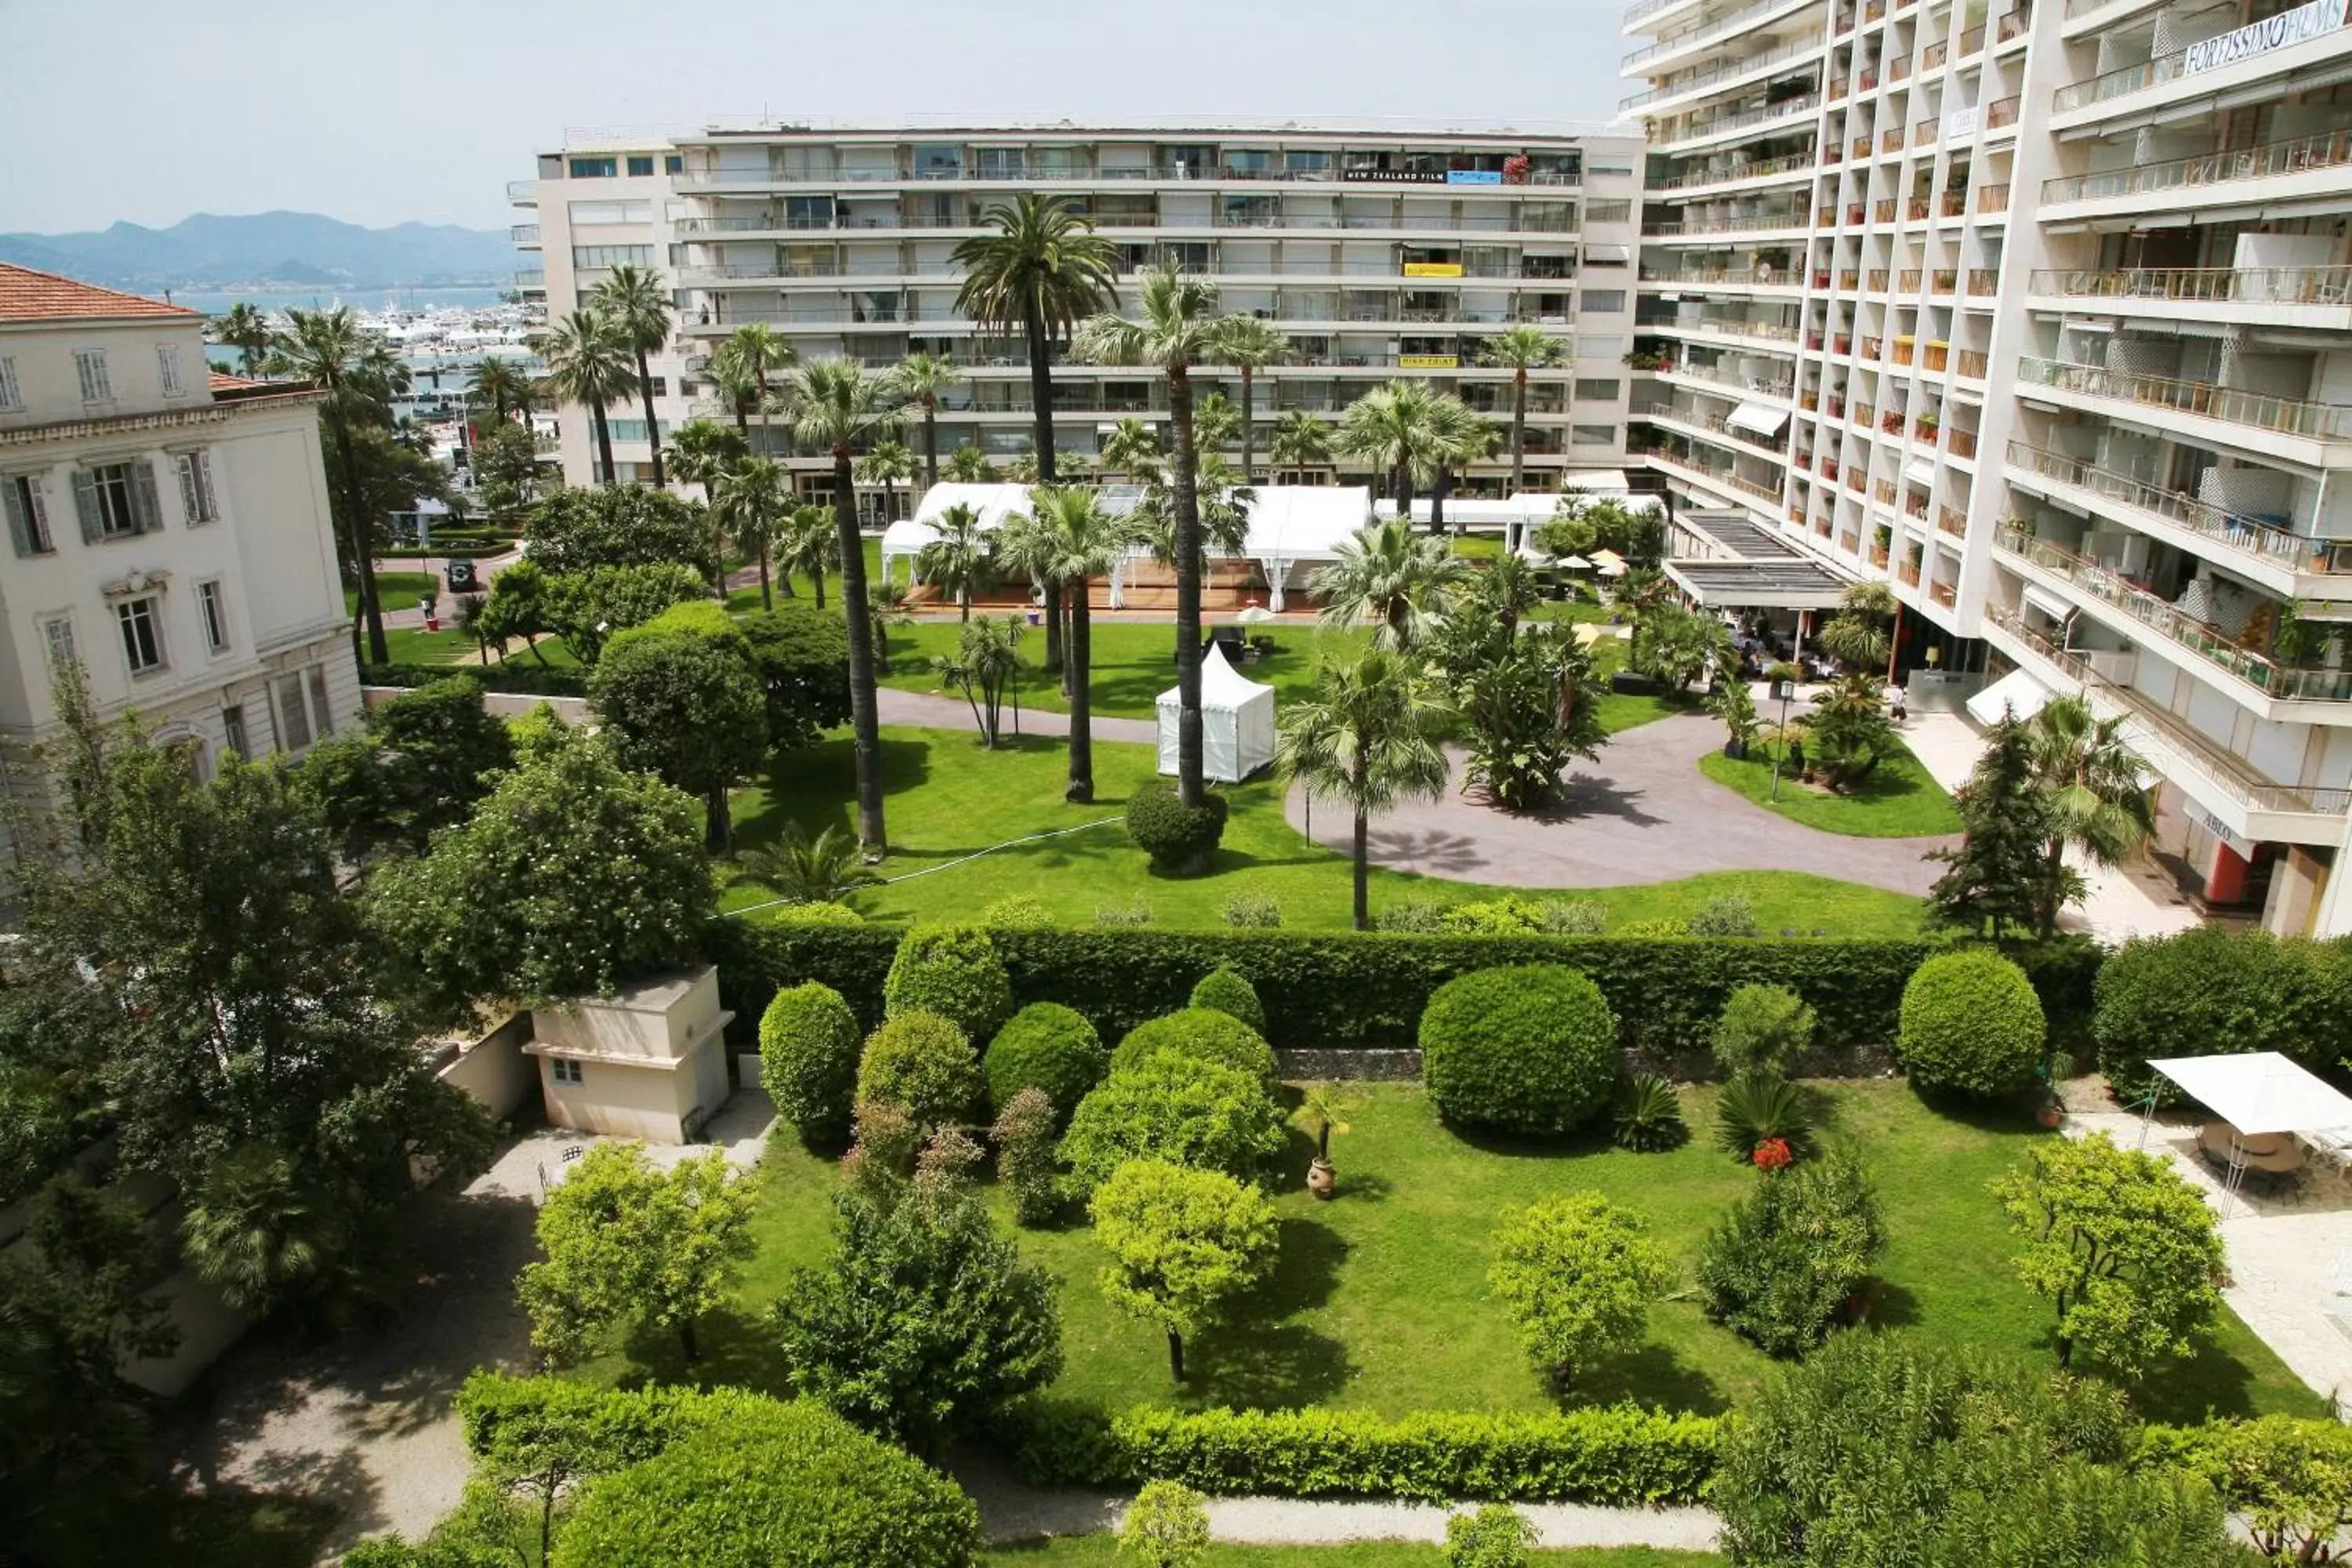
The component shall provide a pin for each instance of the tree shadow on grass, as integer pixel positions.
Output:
(1652, 1375)
(816, 786)
(2210, 1384)
(222, 1525)
(739, 1349)
(1260, 1360)
(1592, 1139)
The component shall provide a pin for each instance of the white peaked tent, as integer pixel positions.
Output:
(995, 503)
(1236, 722)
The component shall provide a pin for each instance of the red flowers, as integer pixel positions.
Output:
(1772, 1154)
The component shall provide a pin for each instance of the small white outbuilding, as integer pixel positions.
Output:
(1236, 722)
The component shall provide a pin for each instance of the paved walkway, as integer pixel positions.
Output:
(1643, 812)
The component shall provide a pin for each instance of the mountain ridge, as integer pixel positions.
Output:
(210, 250)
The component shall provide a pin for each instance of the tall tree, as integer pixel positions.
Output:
(890, 465)
(1521, 350)
(1176, 330)
(751, 504)
(1389, 572)
(1043, 270)
(1300, 441)
(1996, 874)
(1081, 542)
(2096, 803)
(1249, 344)
(502, 383)
(1858, 634)
(751, 354)
(1459, 435)
(702, 452)
(244, 328)
(919, 379)
(1366, 735)
(1131, 447)
(1388, 430)
(958, 558)
(805, 542)
(1182, 1242)
(591, 363)
(835, 405)
(631, 298)
(327, 349)
(687, 706)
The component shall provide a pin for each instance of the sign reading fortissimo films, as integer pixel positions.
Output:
(2299, 26)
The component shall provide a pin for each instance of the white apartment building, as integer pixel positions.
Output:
(167, 528)
(2042, 315)
(1379, 254)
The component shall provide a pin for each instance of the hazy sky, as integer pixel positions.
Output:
(150, 109)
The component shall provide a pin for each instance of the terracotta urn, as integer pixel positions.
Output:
(1321, 1179)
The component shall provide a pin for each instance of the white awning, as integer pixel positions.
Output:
(1920, 470)
(2017, 692)
(1608, 253)
(2049, 603)
(1760, 418)
(2259, 1091)
(1611, 480)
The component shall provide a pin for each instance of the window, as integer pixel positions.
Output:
(293, 714)
(1299, 162)
(672, 163)
(1594, 389)
(1592, 435)
(233, 731)
(1598, 210)
(593, 168)
(116, 500)
(57, 638)
(564, 1071)
(640, 165)
(627, 429)
(167, 367)
(591, 212)
(1001, 163)
(28, 515)
(213, 610)
(141, 620)
(11, 396)
(97, 386)
(585, 255)
(1605, 301)
(198, 503)
(323, 718)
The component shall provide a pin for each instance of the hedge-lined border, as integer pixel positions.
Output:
(527, 679)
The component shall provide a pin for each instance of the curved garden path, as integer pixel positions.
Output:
(1641, 812)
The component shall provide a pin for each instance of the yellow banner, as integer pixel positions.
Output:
(1432, 270)
(1429, 362)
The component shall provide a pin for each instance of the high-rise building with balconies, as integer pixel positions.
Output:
(2042, 315)
(1379, 253)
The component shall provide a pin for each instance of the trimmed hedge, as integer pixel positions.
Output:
(953, 972)
(1970, 1025)
(1619, 1457)
(525, 676)
(1049, 1048)
(1200, 1034)
(1530, 1048)
(924, 1063)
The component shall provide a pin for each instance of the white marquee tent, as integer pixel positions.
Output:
(1236, 722)
(905, 538)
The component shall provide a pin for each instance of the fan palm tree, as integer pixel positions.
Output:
(805, 543)
(1300, 441)
(890, 464)
(1176, 330)
(1388, 430)
(1366, 736)
(1130, 448)
(958, 559)
(886, 603)
(2096, 803)
(1080, 542)
(631, 297)
(253, 1234)
(805, 870)
(1021, 550)
(325, 349)
(1043, 270)
(502, 383)
(589, 362)
(1459, 435)
(835, 405)
(1247, 344)
(244, 328)
(969, 466)
(751, 502)
(701, 452)
(1389, 572)
(1521, 349)
(1021, 468)
(1855, 635)
(742, 364)
(1216, 423)
(919, 379)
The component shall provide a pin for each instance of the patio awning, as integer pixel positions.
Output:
(1760, 418)
(2017, 691)
(2259, 1091)
(1920, 470)
(2048, 602)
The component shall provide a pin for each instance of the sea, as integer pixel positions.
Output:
(363, 299)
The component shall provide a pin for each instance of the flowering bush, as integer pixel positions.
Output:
(1772, 1154)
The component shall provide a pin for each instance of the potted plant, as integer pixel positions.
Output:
(2051, 1110)
(1321, 1112)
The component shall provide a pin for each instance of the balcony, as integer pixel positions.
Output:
(1935, 55)
(1762, 168)
(1943, 594)
(2271, 680)
(1953, 522)
(2000, 112)
(531, 278)
(2269, 161)
(1675, 43)
(1916, 210)
(1971, 363)
(523, 192)
(2254, 413)
(1993, 198)
(1891, 141)
(1725, 125)
(1751, 223)
(2316, 297)
(1908, 572)
(1883, 211)
(2125, 81)
(1713, 75)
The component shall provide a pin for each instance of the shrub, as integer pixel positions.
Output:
(952, 972)
(2287, 1479)
(1577, 1274)
(1136, 912)
(1785, 1259)
(815, 913)
(523, 675)
(1531, 1049)
(1167, 1526)
(1049, 1046)
(1648, 1116)
(808, 1060)
(1762, 1030)
(2210, 989)
(1412, 914)
(1575, 917)
(1023, 1136)
(1654, 928)
(1252, 911)
(1971, 1025)
(1728, 914)
(1177, 1109)
(1222, 991)
(1509, 915)
(923, 1063)
(1756, 1111)
(1178, 838)
(1611, 1455)
(1497, 1536)
(1183, 1243)
(1016, 912)
(1201, 1034)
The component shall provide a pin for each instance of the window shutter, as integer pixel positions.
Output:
(185, 466)
(20, 526)
(93, 521)
(143, 505)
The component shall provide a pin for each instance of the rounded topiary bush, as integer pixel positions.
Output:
(815, 914)
(794, 1484)
(1970, 1025)
(1174, 1108)
(1202, 1035)
(926, 1065)
(1045, 1046)
(1178, 837)
(1227, 992)
(952, 971)
(1531, 1049)
(808, 1060)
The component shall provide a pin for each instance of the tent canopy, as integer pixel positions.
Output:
(1236, 722)
(2017, 691)
(995, 503)
(2259, 1091)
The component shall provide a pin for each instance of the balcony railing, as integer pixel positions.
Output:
(1960, 443)
(2204, 285)
(2128, 79)
(1748, 223)
(2274, 679)
(1891, 141)
(1789, 109)
(2256, 410)
(1916, 210)
(2259, 541)
(1776, 331)
(2299, 155)
(1970, 362)
(1993, 198)
(522, 190)
(1756, 170)
(1999, 113)
(1883, 211)
(1732, 23)
(1952, 523)
(1740, 67)
(1971, 41)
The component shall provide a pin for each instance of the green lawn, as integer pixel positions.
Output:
(1380, 1300)
(1102, 1552)
(946, 798)
(1899, 799)
(1132, 663)
(393, 591)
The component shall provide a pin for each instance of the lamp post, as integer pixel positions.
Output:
(1782, 688)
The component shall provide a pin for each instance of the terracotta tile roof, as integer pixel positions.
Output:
(224, 382)
(27, 295)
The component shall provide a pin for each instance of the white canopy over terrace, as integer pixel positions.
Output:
(2258, 1096)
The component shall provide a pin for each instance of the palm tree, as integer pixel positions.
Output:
(1519, 350)
(1300, 441)
(802, 870)
(1043, 271)
(1216, 423)
(590, 362)
(244, 328)
(1248, 342)
(1366, 736)
(751, 502)
(969, 466)
(324, 348)
(1388, 430)
(888, 464)
(1459, 435)
(1389, 572)
(740, 367)
(2093, 782)
(886, 603)
(632, 297)
(1130, 448)
(1177, 330)
(502, 383)
(1021, 550)
(958, 558)
(919, 379)
(1854, 635)
(834, 404)
(1021, 468)
(1079, 543)
(804, 543)
(701, 452)
(253, 1234)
